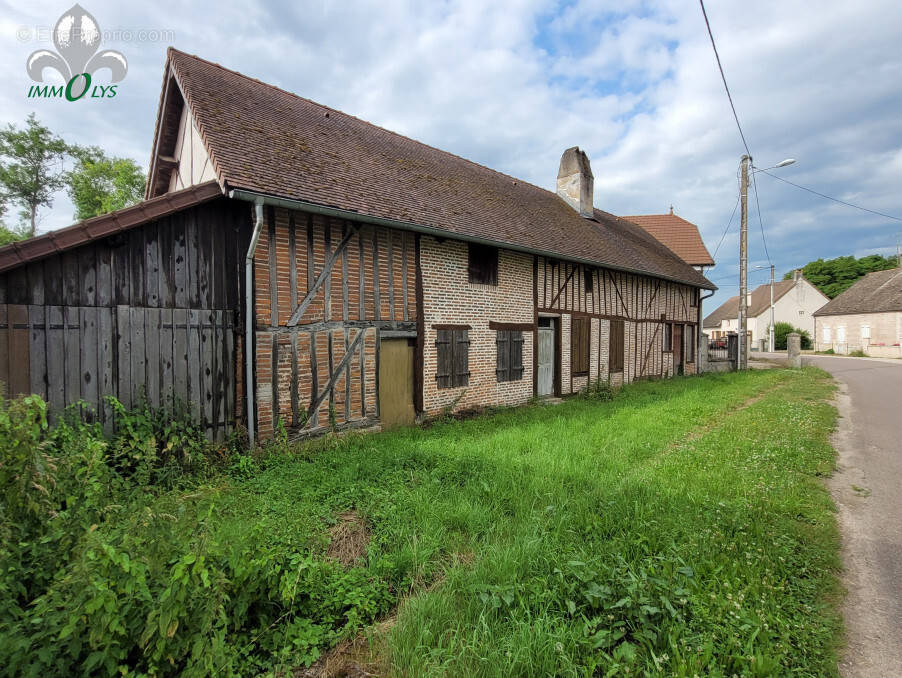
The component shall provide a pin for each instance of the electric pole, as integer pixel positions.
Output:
(771, 344)
(743, 261)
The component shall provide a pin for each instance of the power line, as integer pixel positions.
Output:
(729, 223)
(841, 202)
(760, 221)
(723, 77)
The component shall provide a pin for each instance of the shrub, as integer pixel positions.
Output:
(858, 354)
(783, 329)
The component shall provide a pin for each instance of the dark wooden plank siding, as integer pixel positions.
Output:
(111, 318)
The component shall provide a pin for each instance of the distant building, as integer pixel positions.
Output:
(795, 302)
(680, 236)
(866, 317)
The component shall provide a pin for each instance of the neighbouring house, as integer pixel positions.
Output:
(293, 265)
(680, 236)
(795, 302)
(866, 317)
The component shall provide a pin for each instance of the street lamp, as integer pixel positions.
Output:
(745, 165)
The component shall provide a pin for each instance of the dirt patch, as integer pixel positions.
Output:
(363, 655)
(348, 539)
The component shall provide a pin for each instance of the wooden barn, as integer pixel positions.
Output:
(293, 265)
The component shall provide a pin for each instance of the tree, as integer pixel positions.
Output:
(99, 184)
(7, 234)
(32, 168)
(780, 332)
(835, 276)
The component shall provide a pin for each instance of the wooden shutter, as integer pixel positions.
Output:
(615, 347)
(579, 347)
(503, 366)
(482, 264)
(461, 360)
(690, 343)
(509, 365)
(445, 365)
(668, 337)
(516, 361)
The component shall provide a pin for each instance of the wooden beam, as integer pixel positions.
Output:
(562, 287)
(323, 276)
(335, 374)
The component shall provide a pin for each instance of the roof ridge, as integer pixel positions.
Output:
(172, 50)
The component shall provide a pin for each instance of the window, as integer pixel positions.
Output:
(694, 297)
(801, 312)
(587, 280)
(841, 335)
(615, 347)
(865, 331)
(579, 347)
(827, 337)
(510, 355)
(689, 338)
(453, 352)
(668, 337)
(483, 264)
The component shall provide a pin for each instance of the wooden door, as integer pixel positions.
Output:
(677, 349)
(396, 377)
(546, 361)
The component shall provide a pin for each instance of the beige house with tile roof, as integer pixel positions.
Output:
(795, 302)
(866, 317)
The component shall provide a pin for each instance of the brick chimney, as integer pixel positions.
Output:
(797, 275)
(575, 182)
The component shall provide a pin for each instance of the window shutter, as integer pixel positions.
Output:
(579, 346)
(444, 367)
(482, 266)
(516, 361)
(615, 347)
(503, 366)
(461, 360)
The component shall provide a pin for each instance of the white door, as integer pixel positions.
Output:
(546, 361)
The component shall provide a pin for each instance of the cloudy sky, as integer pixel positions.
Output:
(512, 84)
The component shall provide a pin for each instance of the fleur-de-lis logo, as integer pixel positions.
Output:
(77, 38)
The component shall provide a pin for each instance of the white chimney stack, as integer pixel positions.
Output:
(575, 182)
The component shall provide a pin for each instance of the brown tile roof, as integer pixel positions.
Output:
(265, 140)
(760, 302)
(877, 292)
(681, 236)
(18, 253)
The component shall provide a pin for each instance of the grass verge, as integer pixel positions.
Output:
(681, 529)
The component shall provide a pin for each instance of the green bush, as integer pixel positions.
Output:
(780, 332)
(112, 560)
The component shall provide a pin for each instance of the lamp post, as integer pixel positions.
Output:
(745, 164)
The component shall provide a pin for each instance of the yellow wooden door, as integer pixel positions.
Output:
(396, 377)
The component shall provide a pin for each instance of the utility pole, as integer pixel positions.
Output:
(771, 344)
(744, 261)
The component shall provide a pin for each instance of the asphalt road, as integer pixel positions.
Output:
(867, 489)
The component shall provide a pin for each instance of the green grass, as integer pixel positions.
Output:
(681, 529)
(674, 530)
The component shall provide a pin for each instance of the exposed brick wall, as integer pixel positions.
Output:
(448, 297)
(294, 364)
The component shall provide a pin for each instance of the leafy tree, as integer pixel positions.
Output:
(99, 184)
(780, 332)
(835, 276)
(7, 234)
(31, 169)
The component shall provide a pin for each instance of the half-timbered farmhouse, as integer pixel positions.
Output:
(295, 265)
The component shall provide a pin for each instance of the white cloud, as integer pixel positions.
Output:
(511, 84)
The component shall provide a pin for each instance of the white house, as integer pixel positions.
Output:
(795, 302)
